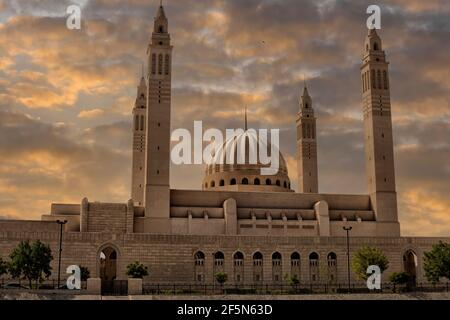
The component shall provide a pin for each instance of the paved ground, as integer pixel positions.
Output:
(386, 296)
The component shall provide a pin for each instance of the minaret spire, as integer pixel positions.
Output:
(307, 145)
(245, 119)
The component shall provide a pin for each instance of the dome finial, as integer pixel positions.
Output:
(245, 119)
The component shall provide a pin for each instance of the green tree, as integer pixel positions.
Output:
(85, 273)
(137, 270)
(221, 277)
(3, 267)
(292, 280)
(436, 263)
(368, 256)
(31, 261)
(399, 277)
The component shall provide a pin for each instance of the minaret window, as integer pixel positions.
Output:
(142, 123)
(136, 123)
(161, 29)
(379, 79)
(167, 64)
(373, 80)
(385, 80)
(153, 63)
(160, 64)
(375, 46)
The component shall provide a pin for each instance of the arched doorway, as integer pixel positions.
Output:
(108, 264)
(410, 266)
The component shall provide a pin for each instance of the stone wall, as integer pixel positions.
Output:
(171, 257)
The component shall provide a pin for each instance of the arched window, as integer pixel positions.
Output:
(167, 64)
(257, 267)
(222, 183)
(278, 183)
(238, 262)
(257, 182)
(136, 123)
(373, 80)
(313, 259)
(295, 259)
(257, 258)
(314, 267)
(219, 259)
(268, 182)
(379, 79)
(199, 265)
(160, 64)
(233, 182)
(385, 80)
(245, 181)
(142, 123)
(238, 259)
(331, 259)
(285, 184)
(375, 46)
(153, 63)
(363, 79)
(332, 267)
(213, 184)
(276, 267)
(276, 259)
(161, 29)
(295, 265)
(206, 185)
(199, 258)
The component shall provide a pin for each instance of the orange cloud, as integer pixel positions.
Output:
(89, 114)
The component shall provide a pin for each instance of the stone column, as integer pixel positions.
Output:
(130, 216)
(323, 218)
(94, 286)
(84, 215)
(134, 286)
(230, 215)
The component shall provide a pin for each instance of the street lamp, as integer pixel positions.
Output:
(61, 224)
(347, 229)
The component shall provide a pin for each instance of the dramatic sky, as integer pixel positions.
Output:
(66, 95)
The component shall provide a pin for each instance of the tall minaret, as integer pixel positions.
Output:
(307, 146)
(379, 147)
(157, 188)
(139, 121)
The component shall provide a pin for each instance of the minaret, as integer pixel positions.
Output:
(157, 188)
(139, 142)
(379, 147)
(307, 146)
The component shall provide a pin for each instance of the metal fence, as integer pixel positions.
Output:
(51, 284)
(283, 289)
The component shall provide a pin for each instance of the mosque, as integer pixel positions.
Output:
(253, 227)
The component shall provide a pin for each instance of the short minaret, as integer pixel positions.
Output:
(157, 188)
(379, 147)
(307, 146)
(138, 156)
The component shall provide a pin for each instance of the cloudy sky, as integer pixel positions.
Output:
(66, 95)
